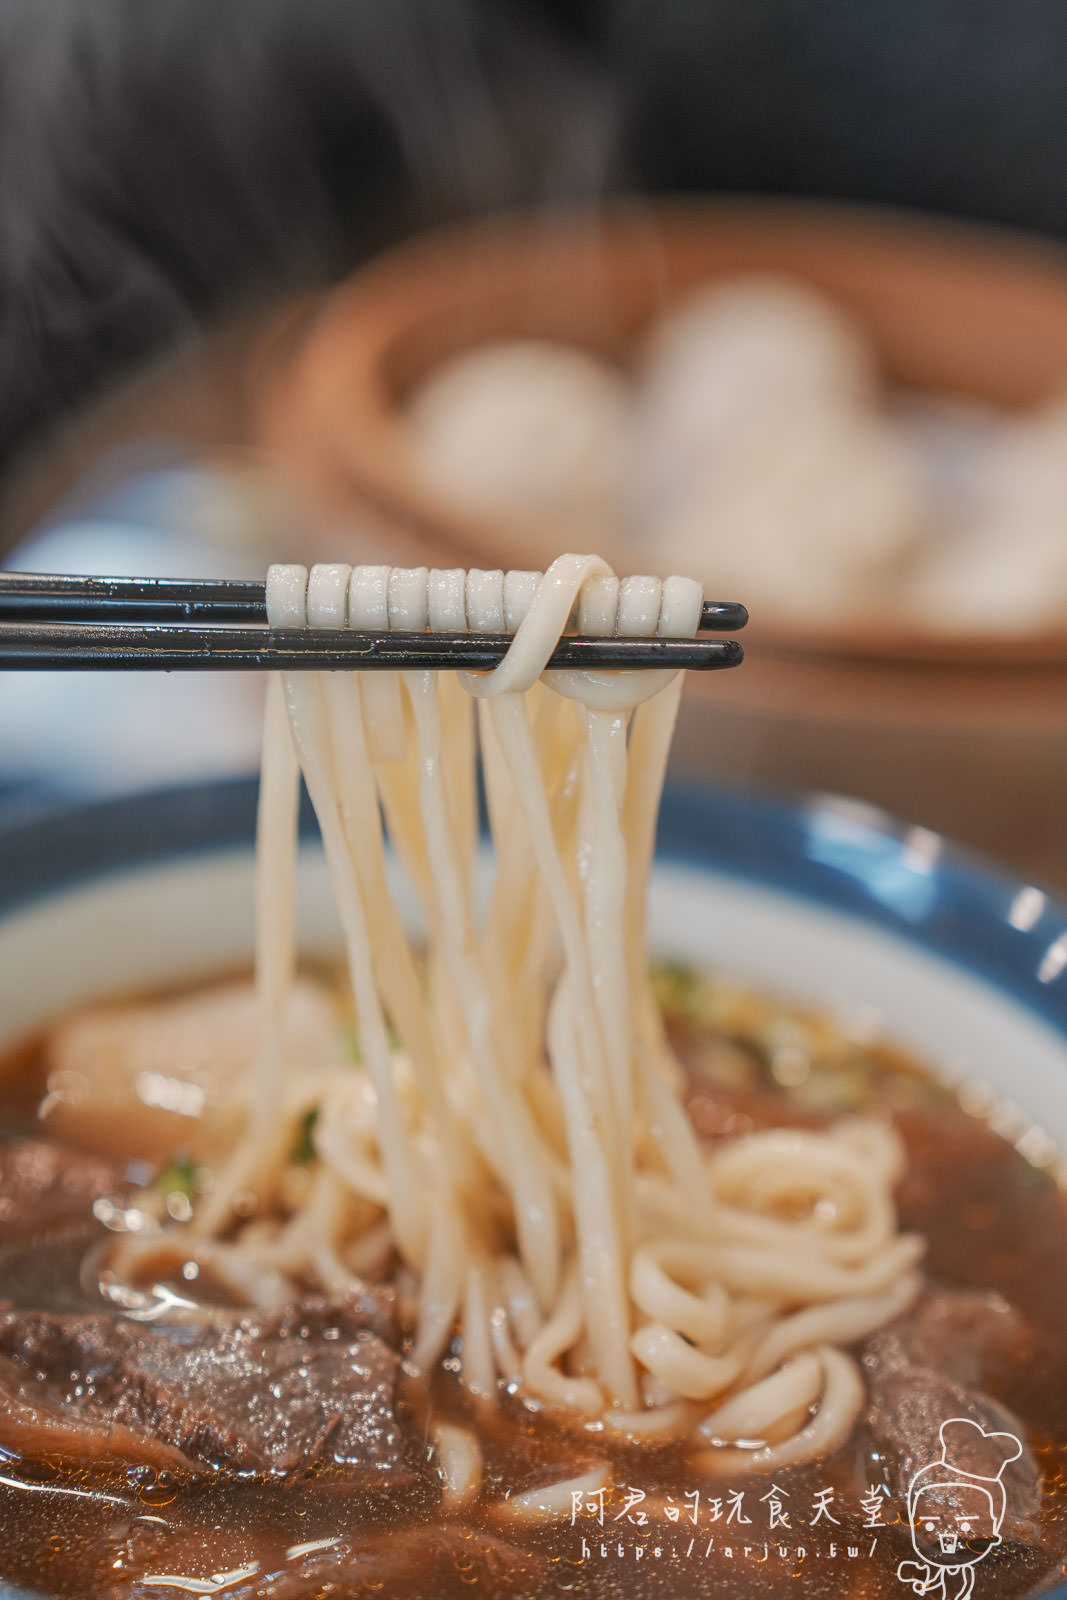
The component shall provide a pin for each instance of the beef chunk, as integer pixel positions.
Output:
(44, 1185)
(929, 1366)
(961, 1333)
(314, 1384)
(35, 1423)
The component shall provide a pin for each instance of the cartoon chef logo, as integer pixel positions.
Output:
(956, 1506)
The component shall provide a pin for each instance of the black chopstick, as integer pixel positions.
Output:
(59, 622)
(73, 646)
(45, 597)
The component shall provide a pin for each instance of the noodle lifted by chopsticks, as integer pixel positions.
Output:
(523, 1151)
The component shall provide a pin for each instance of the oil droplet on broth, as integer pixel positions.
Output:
(158, 1491)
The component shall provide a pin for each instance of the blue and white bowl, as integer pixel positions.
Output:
(823, 900)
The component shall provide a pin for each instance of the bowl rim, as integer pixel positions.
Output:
(829, 852)
(377, 307)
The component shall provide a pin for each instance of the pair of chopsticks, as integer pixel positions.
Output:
(60, 623)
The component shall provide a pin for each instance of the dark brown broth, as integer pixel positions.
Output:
(992, 1221)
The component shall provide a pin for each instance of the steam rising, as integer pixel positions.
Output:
(162, 164)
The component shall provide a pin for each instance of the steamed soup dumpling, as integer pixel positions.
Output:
(1004, 569)
(752, 354)
(528, 428)
(817, 520)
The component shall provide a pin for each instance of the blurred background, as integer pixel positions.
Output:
(772, 294)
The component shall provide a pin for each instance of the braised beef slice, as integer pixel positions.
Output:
(34, 1423)
(46, 1185)
(276, 1395)
(929, 1366)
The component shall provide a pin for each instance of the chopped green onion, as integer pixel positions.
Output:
(304, 1148)
(354, 1050)
(182, 1176)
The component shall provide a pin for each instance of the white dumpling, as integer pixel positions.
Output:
(813, 522)
(528, 427)
(754, 352)
(1005, 569)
